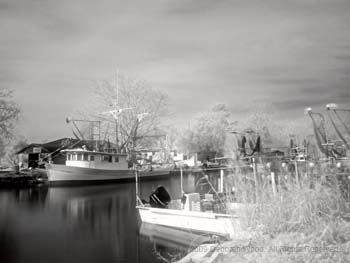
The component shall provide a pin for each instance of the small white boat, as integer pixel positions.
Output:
(227, 226)
(189, 215)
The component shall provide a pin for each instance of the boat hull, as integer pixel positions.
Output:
(61, 174)
(223, 225)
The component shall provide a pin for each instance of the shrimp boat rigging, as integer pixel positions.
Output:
(94, 164)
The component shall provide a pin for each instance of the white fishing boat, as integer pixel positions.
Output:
(95, 162)
(84, 166)
(188, 215)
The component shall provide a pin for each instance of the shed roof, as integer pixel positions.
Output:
(50, 146)
(60, 144)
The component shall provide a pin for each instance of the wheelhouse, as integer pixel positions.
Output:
(98, 160)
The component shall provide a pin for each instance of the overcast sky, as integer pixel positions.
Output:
(287, 54)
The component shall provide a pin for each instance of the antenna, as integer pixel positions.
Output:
(117, 89)
(140, 116)
(115, 112)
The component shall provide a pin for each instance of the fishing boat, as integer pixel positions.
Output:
(87, 166)
(187, 214)
(96, 163)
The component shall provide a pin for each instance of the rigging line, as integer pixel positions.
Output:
(59, 149)
(104, 138)
(345, 126)
(76, 127)
(318, 139)
(320, 128)
(117, 87)
(339, 133)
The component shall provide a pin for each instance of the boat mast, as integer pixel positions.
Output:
(116, 114)
(116, 111)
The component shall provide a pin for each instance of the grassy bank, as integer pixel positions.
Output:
(304, 219)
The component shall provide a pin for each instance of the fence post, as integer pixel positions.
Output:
(255, 179)
(221, 181)
(181, 182)
(296, 172)
(273, 183)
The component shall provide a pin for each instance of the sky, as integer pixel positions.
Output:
(285, 54)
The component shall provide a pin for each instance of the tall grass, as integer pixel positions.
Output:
(312, 205)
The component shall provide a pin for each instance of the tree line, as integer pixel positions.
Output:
(132, 115)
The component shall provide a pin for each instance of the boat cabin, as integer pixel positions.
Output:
(97, 160)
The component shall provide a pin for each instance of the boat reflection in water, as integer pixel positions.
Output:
(99, 216)
(75, 224)
(169, 243)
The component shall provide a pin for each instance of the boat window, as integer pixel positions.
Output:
(85, 157)
(110, 158)
(68, 157)
(116, 159)
(74, 157)
(80, 157)
(105, 158)
(92, 157)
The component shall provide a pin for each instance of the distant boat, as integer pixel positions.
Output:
(85, 166)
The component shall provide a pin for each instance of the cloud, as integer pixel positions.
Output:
(285, 53)
(344, 57)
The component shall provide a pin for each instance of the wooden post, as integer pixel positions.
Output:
(221, 189)
(296, 172)
(137, 188)
(273, 183)
(181, 182)
(255, 179)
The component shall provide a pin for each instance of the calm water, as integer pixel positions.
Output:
(81, 224)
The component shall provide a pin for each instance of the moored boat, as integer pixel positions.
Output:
(85, 166)
(223, 225)
(187, 215)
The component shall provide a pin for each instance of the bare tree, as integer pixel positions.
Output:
(15, 144)
(128, 110)
(9, 112)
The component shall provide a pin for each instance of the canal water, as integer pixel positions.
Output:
(96, 223)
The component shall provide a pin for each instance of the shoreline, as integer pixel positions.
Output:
(285, 247)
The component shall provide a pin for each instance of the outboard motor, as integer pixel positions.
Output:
(160, 198)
